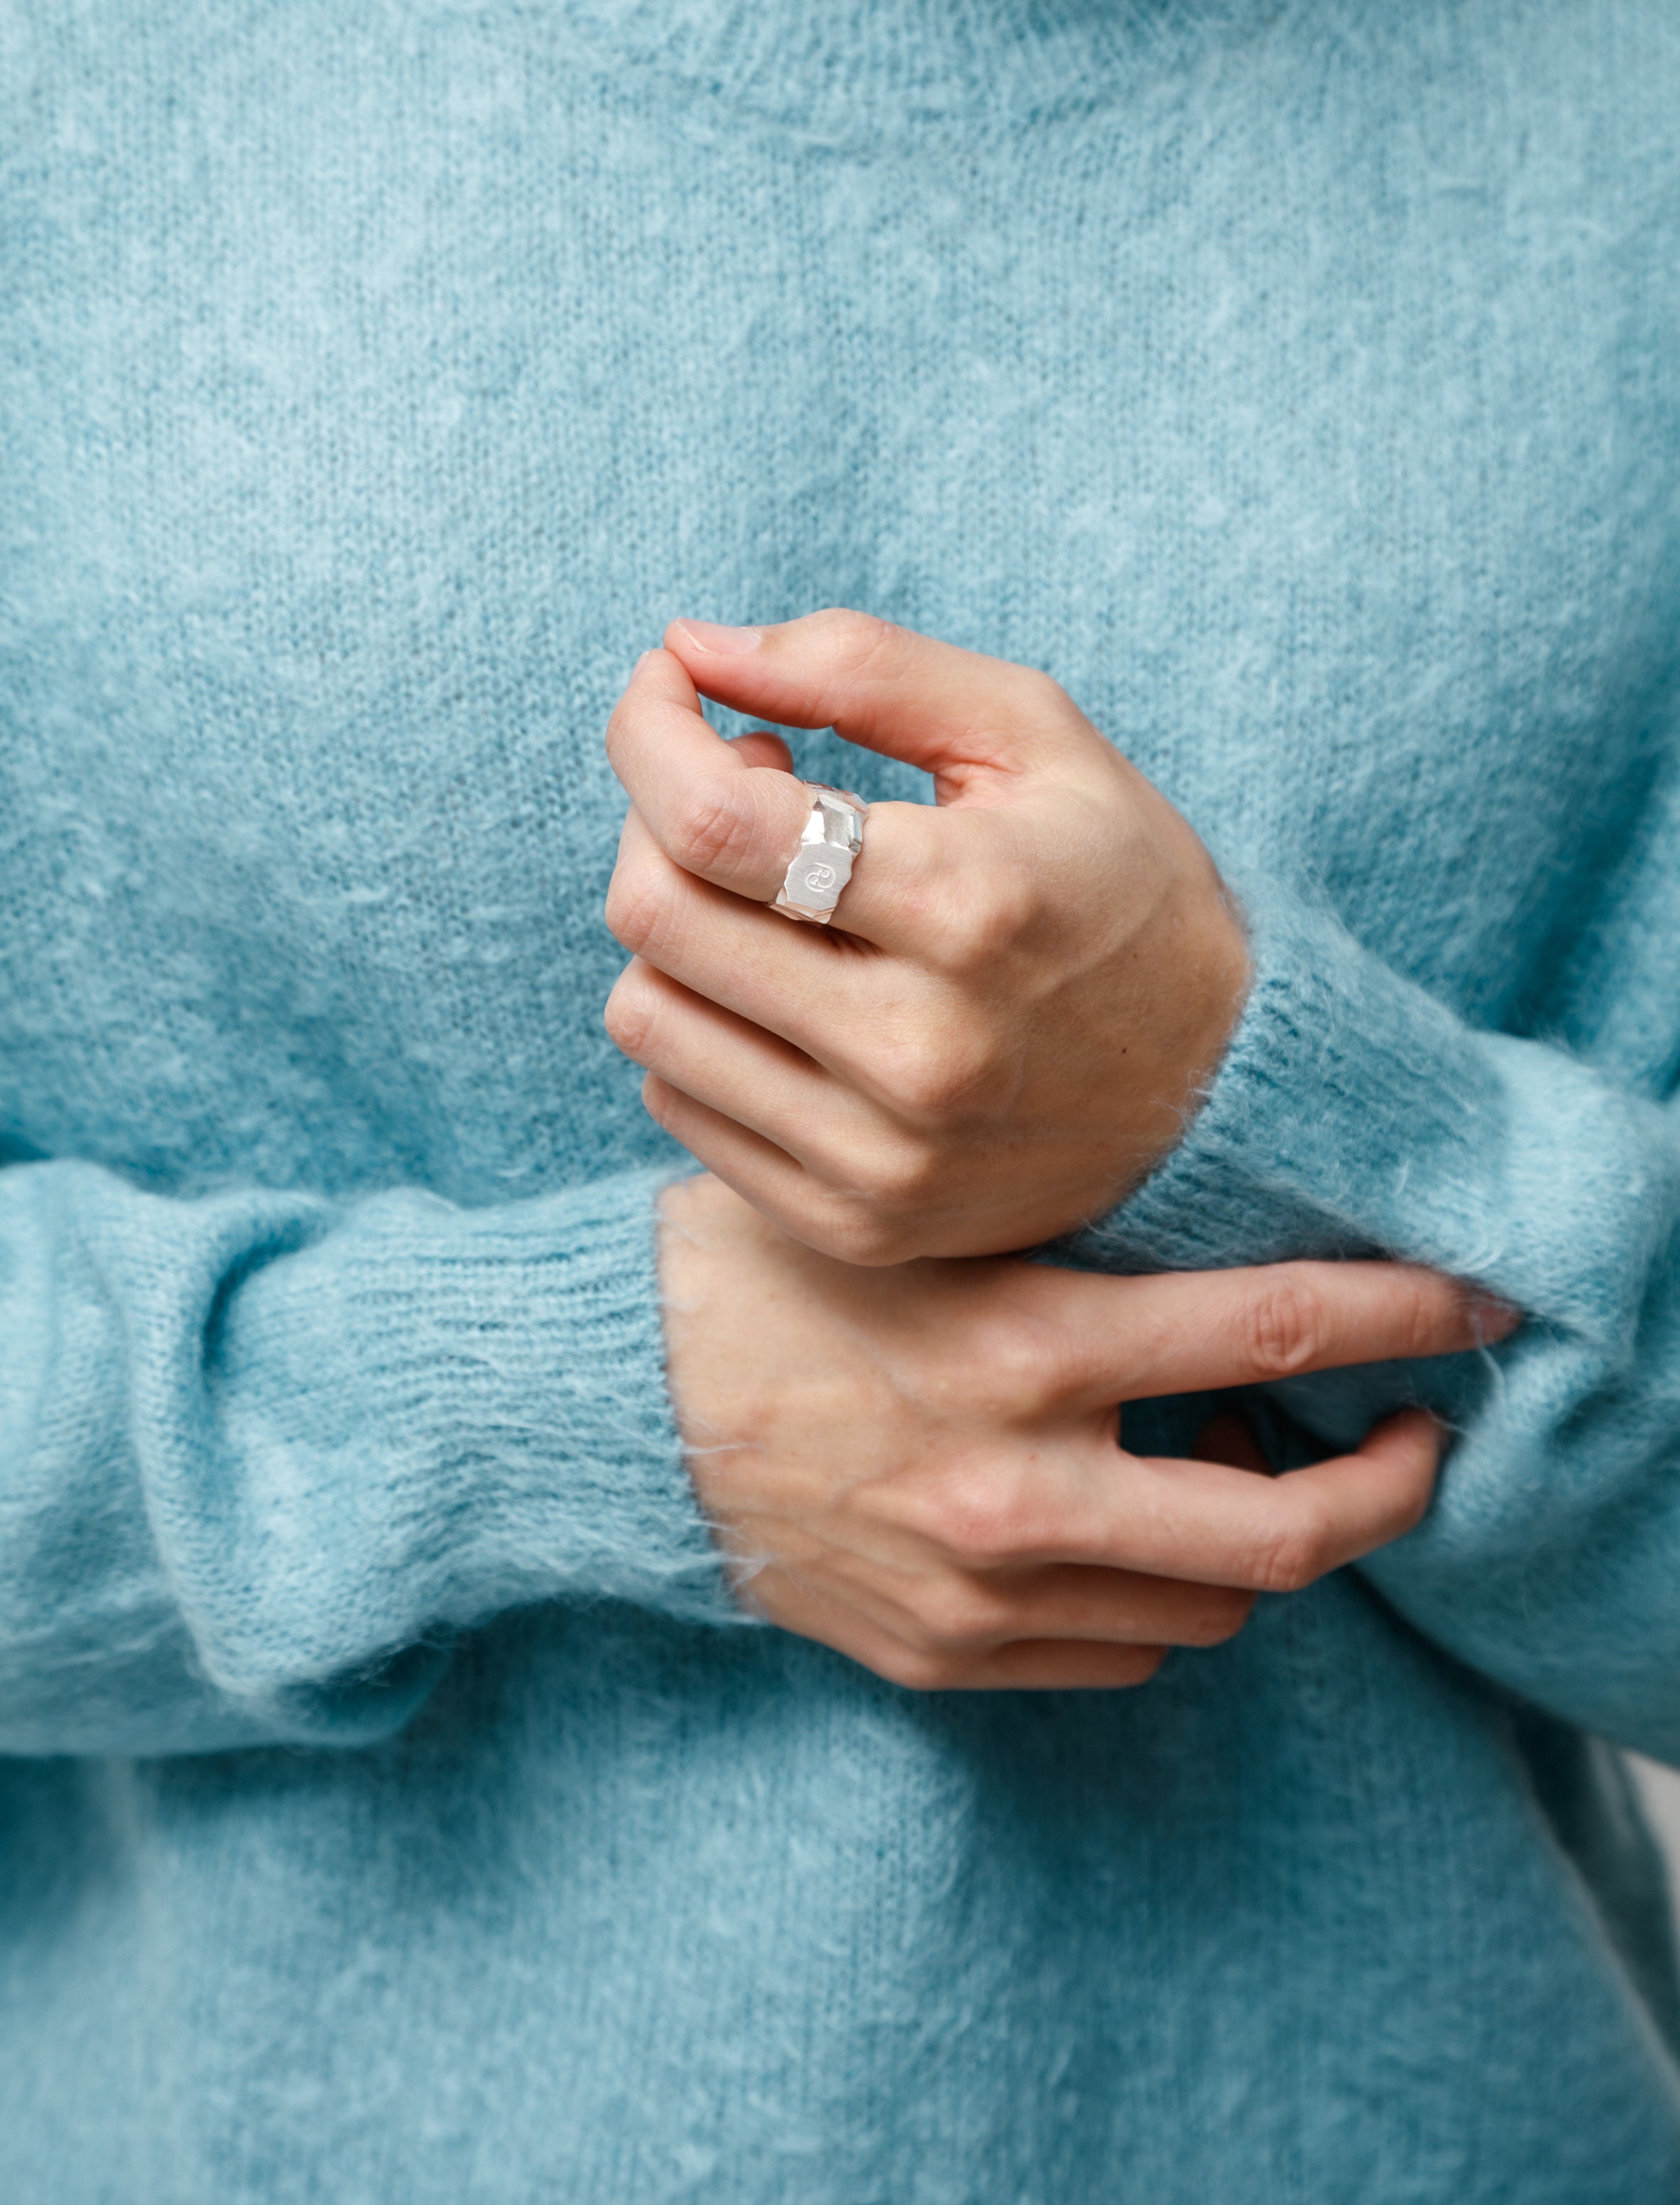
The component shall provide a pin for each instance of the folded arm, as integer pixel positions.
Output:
(260, 1454)
(1356, 1113)
(1032, 989)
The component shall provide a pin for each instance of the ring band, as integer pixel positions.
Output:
(821, 865)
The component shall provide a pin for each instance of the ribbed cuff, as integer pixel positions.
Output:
(1349, 1116)
(438, 1414)
(1354, 1115)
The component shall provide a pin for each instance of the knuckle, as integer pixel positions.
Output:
(978, 928)
(853, 639)
(630, 1015)
(1288, 1329)
(614, 735)
(663, 1104)
(957, 1613)
(852, 1234)
(920, 1669)
(1292, 1556)
(899, 1175)
(636, 906)
(716, 835)
(1043, 692)
(930, 1079)
(1434, 1309)
(1021, 1364)
(978, 1517)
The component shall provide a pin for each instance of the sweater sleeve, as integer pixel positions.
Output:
(1354, 1114)
(261, 1454)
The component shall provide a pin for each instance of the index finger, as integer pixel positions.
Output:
(1197, 1332)
(733, 824)
(737, 825)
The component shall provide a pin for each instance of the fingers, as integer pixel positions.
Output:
(921, 1662)
(733, 1066)
(1049, 1628)
(965, 1611)
(736, 954)
(758, 1171)
(832, 999)
(1033, 1666)
(825, 1218)
(857, 1154)
(731, 813)
(952, 712)
(1223, 1534)
(1197, 1332)
(1201, 1522)
(709, 807)
(1224, 1526)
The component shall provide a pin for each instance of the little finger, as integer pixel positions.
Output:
(1071, 1600)
(1032, 1665)
(949, 1610)
(1055, 1665)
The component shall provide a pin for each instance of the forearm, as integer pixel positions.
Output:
(1355, 1114)
(260, 1454)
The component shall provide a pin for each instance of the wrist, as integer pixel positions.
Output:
(1201, 976)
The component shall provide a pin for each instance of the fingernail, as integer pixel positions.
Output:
(723, 642)
(1495, 1319)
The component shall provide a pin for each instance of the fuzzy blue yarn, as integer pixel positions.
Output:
(394, 1808)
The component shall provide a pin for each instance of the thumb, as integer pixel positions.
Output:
(966, 719)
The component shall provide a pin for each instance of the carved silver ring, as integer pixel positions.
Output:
(819, 868)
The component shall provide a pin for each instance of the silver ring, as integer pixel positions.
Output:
(821, 865)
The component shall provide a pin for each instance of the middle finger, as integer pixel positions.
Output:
(826, 993)
(735, 824)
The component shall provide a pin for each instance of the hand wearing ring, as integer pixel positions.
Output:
(1023, 988)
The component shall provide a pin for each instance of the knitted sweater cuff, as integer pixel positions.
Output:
(477, 1401)
(1346, 1118)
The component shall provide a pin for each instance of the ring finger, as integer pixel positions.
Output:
(815, 989)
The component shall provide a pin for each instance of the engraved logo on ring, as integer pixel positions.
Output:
(820, 877)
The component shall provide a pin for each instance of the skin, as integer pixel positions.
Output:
(920, 1465)
(1023, 990)
(909, 1445)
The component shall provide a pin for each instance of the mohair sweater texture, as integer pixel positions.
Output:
(395, 1805)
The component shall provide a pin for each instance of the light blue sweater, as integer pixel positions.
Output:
(396, 1812)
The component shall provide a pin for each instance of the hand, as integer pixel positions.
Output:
(920, 1466)
(1025, 987)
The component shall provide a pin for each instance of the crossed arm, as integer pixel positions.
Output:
(1040, 978)
(260, 1453)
